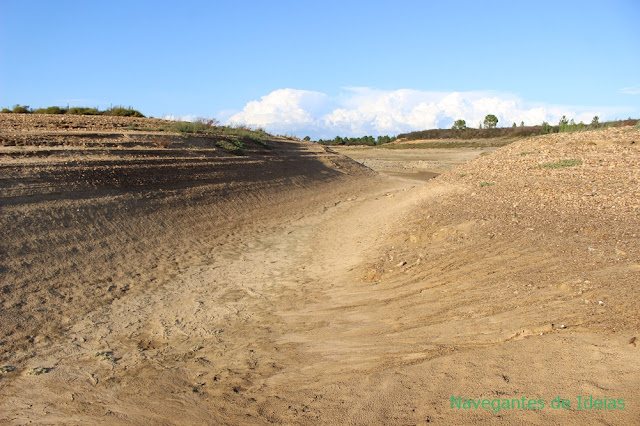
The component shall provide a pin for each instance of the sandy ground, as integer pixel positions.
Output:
(350, 298)
(418, 164)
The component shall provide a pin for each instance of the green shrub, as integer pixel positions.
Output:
(114, 111)
(50, 110)
(546, 128)
(123, 112)
(201, 125)
(490, 121)
(235, 136)
(246, 134)
(83, 111)
(21, 109)
(230, 147)
(187, 127)
(459, 125)
(5, 111)
(238, 143)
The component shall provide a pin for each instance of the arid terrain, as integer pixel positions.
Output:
(156, 278)
(416, 164)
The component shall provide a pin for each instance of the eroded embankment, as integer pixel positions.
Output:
(89, 217)
(511, 278)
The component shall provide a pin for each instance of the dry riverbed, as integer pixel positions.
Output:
(294, 286)
(420, 164)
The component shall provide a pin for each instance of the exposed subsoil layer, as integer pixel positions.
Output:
(292, 285)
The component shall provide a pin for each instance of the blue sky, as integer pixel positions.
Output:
(330, 67)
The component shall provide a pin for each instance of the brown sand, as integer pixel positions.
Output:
(295, 286)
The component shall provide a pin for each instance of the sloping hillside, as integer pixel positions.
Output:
(92, 211)
(321, 294)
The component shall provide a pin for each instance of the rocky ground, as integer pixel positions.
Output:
(21, 123)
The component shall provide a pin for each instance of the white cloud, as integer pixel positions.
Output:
(359, 111)
(632, 90)
(186, 117)
(283, 111)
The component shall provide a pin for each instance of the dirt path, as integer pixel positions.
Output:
(199, 346)
(280, 326)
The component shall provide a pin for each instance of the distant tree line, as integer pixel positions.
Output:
(113, 111)
(364, 140)
(566, 125)
(488, 129)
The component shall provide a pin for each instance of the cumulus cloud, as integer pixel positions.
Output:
(284, 111)
(359, 111)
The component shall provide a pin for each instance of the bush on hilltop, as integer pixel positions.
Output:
(50, 110)
(118, 111)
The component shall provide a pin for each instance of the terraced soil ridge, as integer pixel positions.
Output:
(85, 211)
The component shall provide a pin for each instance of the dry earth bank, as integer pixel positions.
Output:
(92, 214)
(296, 287)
